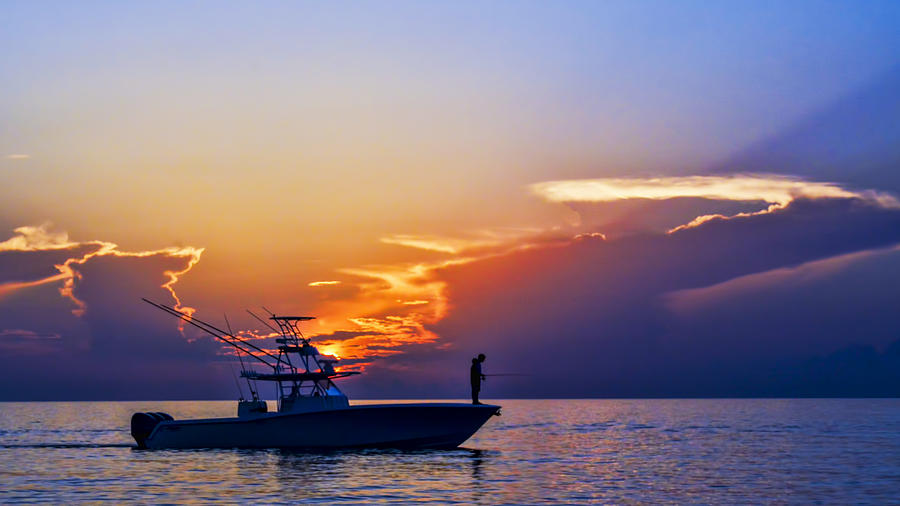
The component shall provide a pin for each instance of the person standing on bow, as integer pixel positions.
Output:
(476, 376)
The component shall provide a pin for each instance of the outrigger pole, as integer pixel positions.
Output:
(215, 332)
(273, 329)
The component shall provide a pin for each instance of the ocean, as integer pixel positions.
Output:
(539, 451)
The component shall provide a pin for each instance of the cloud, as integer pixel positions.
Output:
(26, 334)
(28, 342)
(389, 311)
(777, 191)
(37, 238)
(43, 274)
(113, 346)
(18, 156)
(772, 189)
(378, 337)
(41, 239)
(430, 243)
(696, 301)
(813, 329)
(324, 283)
(394, 304)
(479, 240)
(594, 313)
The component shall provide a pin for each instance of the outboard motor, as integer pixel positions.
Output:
(142, 425)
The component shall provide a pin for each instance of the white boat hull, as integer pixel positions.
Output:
(408, 426)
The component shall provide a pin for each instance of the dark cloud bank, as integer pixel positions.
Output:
(118, 349)
(626, 318)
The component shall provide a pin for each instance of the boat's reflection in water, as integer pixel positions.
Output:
(382, 474)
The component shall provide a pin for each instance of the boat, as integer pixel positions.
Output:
(312, 412)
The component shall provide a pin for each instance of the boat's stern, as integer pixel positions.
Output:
(142, 425)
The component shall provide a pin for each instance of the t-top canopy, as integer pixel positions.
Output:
(293, 318)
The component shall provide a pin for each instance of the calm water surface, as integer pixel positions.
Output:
(568, 451)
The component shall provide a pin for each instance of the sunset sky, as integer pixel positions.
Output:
(612, 198)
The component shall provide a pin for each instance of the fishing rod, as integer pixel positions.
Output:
(200, 324)
(220, 331)
(241, 360)
(262, 321)
(509, 374)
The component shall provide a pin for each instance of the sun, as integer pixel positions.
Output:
(329, 350)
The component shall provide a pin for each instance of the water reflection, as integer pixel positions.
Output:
(389, 475)
(476, 457)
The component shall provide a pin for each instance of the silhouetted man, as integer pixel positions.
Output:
(476, 376)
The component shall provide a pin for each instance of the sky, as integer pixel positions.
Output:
(608, 199)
